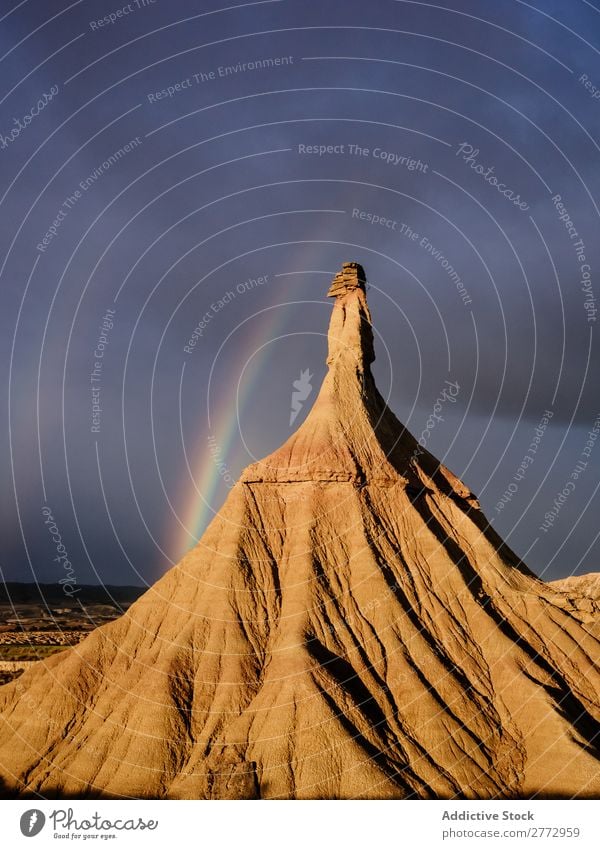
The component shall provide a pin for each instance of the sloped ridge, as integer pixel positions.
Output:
(587, 586)
(348, 626)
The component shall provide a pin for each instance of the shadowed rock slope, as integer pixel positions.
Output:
(348, 626)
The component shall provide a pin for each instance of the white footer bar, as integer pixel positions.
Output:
(306, 825)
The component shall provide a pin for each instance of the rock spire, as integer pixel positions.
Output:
(349, 626)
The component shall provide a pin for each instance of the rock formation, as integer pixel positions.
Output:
(581, 585)
(349, 626)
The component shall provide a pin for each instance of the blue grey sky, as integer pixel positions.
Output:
(179, 182)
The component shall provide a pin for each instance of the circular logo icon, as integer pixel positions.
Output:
(32, 822)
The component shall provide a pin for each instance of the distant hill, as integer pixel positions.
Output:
(52, 594)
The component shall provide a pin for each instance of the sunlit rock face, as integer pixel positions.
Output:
(349, 626)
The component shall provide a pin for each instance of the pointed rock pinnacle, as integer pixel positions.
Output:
(352, 276)
(350, 333)
(350, 626)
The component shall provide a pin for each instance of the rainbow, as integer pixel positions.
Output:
(200, 500)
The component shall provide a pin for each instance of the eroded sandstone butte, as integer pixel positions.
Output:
(349, 626)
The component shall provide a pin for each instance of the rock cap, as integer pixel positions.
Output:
(352, 276)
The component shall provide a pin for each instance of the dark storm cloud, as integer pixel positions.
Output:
(171, 167)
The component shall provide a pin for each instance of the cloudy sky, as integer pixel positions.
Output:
(179, 183)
